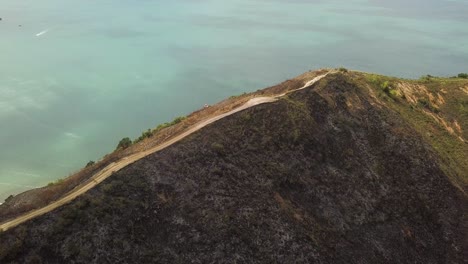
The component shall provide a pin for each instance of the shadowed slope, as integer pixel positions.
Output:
(328, 174)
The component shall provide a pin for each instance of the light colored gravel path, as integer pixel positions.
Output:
(124, 162)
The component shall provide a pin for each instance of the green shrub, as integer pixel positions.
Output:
(374, 79)
(385, 87)
(146, 134)
(463, 75)
(57, 182)
(393, 93)
(388, 89)
(342, 69)
(90, 163)
(149, 133)
(177, 120)
(124, 143)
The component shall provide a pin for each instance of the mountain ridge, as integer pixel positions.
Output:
(37, 198)
(336, 173)
(126, 161)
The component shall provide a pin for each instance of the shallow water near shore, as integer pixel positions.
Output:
(77, 76)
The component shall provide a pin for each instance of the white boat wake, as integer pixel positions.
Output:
(42, 33)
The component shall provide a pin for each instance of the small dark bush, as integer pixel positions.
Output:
(423, 102)
(426, 77)
(90, 163)
(428, 105)
(217, 147)
(463, 75)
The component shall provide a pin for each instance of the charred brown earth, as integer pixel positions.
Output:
(357, 168)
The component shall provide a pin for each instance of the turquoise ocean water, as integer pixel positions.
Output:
(76, 76)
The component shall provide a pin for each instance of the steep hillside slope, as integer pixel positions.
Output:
(37, 198)
(341, 172)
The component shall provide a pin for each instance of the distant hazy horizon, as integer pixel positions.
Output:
(77, 76)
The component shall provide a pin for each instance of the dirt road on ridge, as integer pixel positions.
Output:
(116, 166)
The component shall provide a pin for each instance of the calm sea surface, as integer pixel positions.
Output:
(77, 76)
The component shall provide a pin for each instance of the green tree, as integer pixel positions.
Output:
(124, 143)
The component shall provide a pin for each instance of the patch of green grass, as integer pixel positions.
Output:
(384, 84)
(452, 151)
(373, 79)
(176, 121)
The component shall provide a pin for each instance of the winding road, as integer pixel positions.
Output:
(124, 162)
